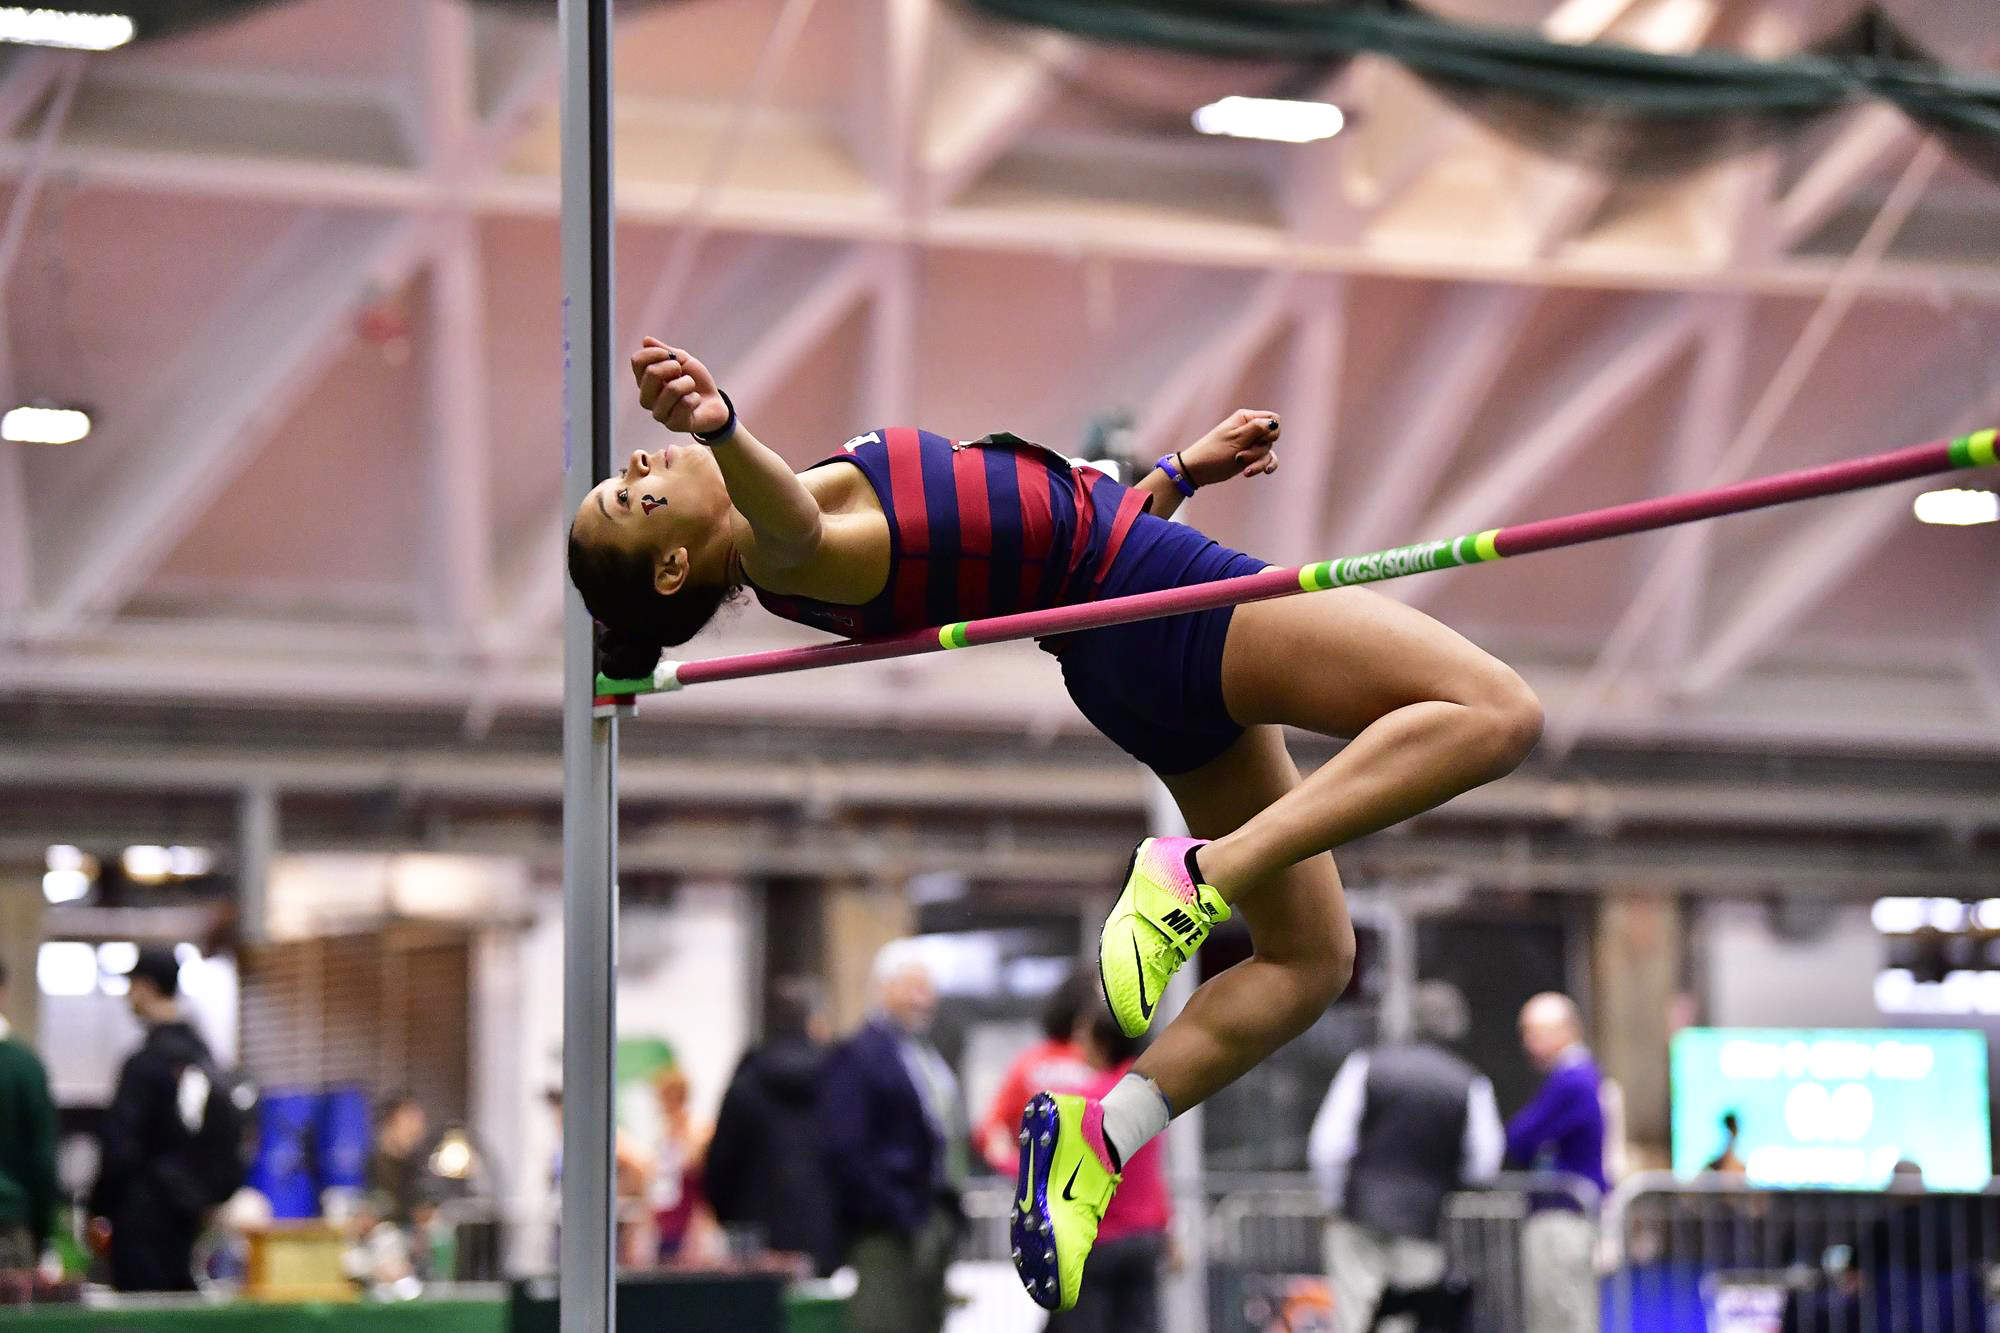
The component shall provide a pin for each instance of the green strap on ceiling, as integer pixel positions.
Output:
(1519, 63)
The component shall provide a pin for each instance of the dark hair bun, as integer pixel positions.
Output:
(628, 652)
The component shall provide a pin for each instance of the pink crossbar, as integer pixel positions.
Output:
(1547, 534)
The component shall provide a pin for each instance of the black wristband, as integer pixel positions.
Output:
(715, 437)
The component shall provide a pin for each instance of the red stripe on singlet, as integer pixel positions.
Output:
(975, 533)
(1031, 479)
(1086, 524)
(913, 523)
(1130, 506)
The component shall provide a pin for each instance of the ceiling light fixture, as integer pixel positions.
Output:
(1958, 509)
(146, 863)
(64, 28)
(44, 425)
(65, 886)
(1271, 118)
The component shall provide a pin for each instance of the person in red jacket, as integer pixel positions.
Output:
(1056, 1061)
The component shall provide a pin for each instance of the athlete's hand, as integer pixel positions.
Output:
(677, 389)
(1241, 446)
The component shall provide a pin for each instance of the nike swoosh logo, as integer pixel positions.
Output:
(1026, 1203)
(1145, 1006)
(1067, 1196)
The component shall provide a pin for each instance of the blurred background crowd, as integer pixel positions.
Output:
(1687, 1024)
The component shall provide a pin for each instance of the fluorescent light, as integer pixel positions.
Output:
(62, 856)
(1958, 509)
(1898, 916)
(65, 886)
(1271, 118)
(146, 863)
(188, 862)
(44, 425)
(65, 28)
(66, 968)
(118, 957)
(1947, 914)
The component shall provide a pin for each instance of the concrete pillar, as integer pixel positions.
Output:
(860, 919)
(21, 908)
(1638, 947)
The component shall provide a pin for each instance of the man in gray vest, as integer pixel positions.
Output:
(1404, 1124)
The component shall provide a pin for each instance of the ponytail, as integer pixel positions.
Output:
(635, 620)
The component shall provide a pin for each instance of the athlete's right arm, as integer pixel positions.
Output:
(681, 394)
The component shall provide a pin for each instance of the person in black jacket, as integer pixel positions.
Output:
(766, 1165)
(154, 1180)
(1404, 1124)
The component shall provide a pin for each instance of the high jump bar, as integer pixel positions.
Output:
(1922, 460)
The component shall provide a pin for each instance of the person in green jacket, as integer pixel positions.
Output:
(27, 1148)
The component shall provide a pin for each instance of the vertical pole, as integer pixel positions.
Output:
(1186, 1306)
(1390, 915)
(256, 848)
(590, 745)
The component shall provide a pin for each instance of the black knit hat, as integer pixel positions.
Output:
(158, 965)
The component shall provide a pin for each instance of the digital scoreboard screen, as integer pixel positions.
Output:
(1831, 1108)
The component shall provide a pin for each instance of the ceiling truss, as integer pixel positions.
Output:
(961, 144)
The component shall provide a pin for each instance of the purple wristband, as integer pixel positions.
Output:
(1175, 475)
(723, 432)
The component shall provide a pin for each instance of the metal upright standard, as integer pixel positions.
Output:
(590, 742)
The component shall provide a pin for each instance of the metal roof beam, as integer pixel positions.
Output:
(1598, 383)
(1424, 413)
(234, 379)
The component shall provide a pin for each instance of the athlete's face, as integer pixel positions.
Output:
(670, 500)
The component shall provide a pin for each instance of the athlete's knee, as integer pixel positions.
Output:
(1506, 719)
(1320, 972)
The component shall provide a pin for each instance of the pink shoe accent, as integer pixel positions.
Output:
(1093, 1132)
(1166, 861)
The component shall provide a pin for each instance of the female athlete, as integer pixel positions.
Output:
(905, 529)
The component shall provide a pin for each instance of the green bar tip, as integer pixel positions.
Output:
(609, 685)
(1975, 450)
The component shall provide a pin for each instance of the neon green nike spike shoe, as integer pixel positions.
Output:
(1066, 1183)
(1160, 920)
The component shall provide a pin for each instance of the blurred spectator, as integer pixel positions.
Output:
(681, 1220)
(632, 1169)
(379, 1259)
(27, 1148)
(767, 1164)
(896, 1146)
(1121, 1291)
(397, 1167)
(1404, 1124)
(1562, 1129)
(171, 1140)
(1728, 1161)
(1055, 1064)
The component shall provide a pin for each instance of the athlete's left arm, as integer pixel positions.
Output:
(1241, 446)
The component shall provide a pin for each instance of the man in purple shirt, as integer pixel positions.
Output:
(1562, 1129)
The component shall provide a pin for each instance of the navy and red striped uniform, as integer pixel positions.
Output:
(976, 529)
(1001, 525)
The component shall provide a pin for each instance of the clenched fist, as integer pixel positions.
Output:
(677, 389)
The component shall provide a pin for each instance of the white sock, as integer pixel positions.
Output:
(1134, 1111)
